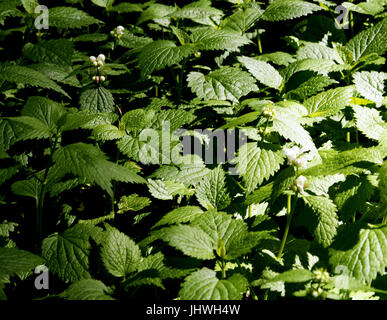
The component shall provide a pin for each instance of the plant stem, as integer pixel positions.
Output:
(259, 44)
(290, 212)
(181, 80)
(40, 200)
(223, 269)
(250, 211)
(348, 137)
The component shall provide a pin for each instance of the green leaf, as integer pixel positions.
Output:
(198, 11)
(87, 161)
(70, 18)
(28, 188)
(234, 234)
(310, 87)
(30, 5)
(262, 71)
(132, 202)
(28, 76)
(383, 182)
(192, 241)
(363, 251)
(294, 276)
(6, 228)
(369, 122)
(204, 285)
(369, 41)
(97, 100)
(226, 83)
(321, 66)
(103, 3)
(108, 132)
(207, 38)
(311, 50)
(14, 261)
(120, 254)
(58, 52)
(180, 215)
(211, 192)
(327, 220)
(351, 195)
(290, 128)
(370, 85)
(257, 163)
(243, 19)
(159, 54)
(57, 73)
(136, 119)
(329, 102)
(67, 254)
(87, 289)
(156, 11)
(289, 9)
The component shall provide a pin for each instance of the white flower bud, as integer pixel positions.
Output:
(291, 154)
(95, 63)
(94, 77)
(101, 57)
(102, 78)
(120, 30)
(300, 183)
(100, 63)
(92, 59)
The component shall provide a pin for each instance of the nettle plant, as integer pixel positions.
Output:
(97, 185)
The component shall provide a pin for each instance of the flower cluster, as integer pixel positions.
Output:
(117, 32)
(269, 112)
(297, 157)
(99, 61)
(300, 184)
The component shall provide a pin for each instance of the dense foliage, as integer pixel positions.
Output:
(107, 176)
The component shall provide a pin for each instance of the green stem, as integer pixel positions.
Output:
(40, 200)
(290, 212)
(259, 44)
(348, 137)
(250, 211)
(223, 269)
(181, 80)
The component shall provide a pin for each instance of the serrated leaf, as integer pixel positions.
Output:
(70, 18)
(369, 41)
(211, 192)
(107, 132)
(226, 83)
(57, 73)
(257, 163)
(290, 128)
(28, 188)
(383, 182)
(58, 51)
(192, 241)
(204, 285)
(180, 215)
(207, 38)
(243, 19)
(103, 3)
(30, 5)
(161, 53)
(329, 102)
(67, 254)
(293, 276)
(97, 100)
(370, 85)
(155, 11)
(28, 76)
(198, 11)
(351, 195)
(15, 261)
(325, 209)
(310, 87)
(232, 233)
(369, 122)
(87, 161)
(132, 202)
(289, 9)
(363, 251)
(262, 71)
(321, 66)
(120, 254)
(87, 289)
